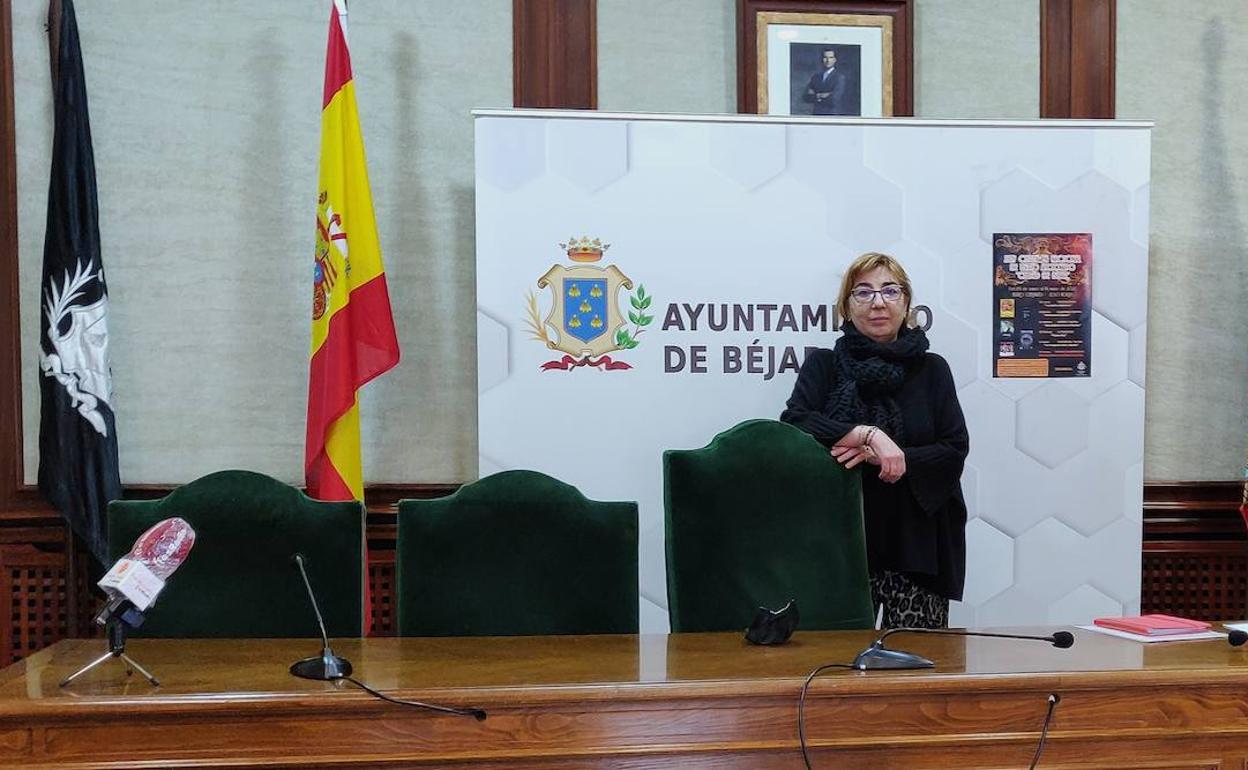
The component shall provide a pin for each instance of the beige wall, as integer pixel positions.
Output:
(661, 56)
(206, 122)
(1185, 66)
(977, 59)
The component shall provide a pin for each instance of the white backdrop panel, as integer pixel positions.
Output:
(747, 211)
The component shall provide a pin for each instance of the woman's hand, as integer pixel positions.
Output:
(850, 456)
(888, 456)
(850, 451)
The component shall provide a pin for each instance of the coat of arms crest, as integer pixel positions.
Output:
(324, 271)
(584, 320)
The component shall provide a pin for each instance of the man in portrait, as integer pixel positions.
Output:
(829, 89)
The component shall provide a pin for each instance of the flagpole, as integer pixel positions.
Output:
(361, 343)
(341, 7)
(54, 37)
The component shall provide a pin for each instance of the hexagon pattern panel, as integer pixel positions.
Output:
(644, 282)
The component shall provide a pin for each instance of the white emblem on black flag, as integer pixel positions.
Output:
(78, 333)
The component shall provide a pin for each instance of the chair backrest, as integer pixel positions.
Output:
(762, 515)
(516, 553)
(239, 579)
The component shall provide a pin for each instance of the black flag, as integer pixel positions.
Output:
(77, 435)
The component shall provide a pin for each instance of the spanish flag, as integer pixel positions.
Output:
(353, 337)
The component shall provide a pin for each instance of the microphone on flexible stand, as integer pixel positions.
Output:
(877, 656)
(327, 666)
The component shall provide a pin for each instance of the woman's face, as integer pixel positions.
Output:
(870, 309)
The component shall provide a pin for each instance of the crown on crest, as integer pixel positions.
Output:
(585, 249)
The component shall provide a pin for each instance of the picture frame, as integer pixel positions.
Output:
(825, 57)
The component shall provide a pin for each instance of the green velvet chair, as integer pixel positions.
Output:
(239, 579)
(516, 553)
(762, 515)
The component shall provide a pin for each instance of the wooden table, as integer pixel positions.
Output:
(687, 701)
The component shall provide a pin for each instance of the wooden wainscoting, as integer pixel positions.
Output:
(382, 538)
(383, 534)
(42, 599)
(36, 602)
(1195, 560)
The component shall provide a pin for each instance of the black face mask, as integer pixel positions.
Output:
(773, 626)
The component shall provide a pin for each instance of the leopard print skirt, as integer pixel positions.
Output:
(906, 603)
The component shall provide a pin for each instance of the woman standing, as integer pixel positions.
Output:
(879, 398)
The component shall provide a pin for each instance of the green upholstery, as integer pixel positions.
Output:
(516, 553)
(761, 515)
(239, 579)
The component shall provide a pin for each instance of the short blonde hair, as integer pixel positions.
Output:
(865, 264)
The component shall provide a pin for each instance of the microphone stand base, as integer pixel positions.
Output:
(323, 668)
(116, 649)
(875, 658)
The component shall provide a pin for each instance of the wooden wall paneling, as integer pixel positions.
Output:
(1077, 58)
(383, 534)
(1201, 580)
(34, 591)
(1195, 552)
(1092, 58)
(10, 319)
(383, 597)
(10, 624)
(18, 502)
(1055, 58)
(555, 54)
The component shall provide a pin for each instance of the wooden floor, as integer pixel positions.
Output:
(687, 701)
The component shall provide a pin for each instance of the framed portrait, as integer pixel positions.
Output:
(825, 57)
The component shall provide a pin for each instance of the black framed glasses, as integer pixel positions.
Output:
(864, 296)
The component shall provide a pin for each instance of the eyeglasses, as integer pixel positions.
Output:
(865, 296)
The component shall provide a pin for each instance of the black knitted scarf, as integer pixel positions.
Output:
(869, 374)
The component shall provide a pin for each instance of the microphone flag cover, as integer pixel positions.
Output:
(140, 575)
(164, 547)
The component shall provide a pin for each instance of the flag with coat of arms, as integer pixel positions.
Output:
(353, 337)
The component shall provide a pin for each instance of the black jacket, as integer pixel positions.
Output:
(918, 524)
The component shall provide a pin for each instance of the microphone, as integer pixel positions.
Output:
(137, 578)
(877, 656)
(133, 584)
(1236, 638)
(328, 665)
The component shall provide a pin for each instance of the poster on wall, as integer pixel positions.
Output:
(1042, 300)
